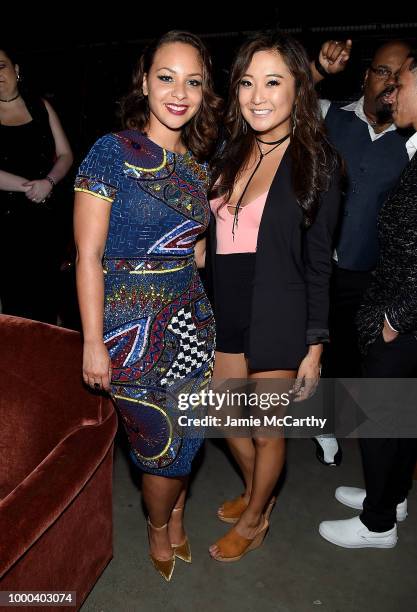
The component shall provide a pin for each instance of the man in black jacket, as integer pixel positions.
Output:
(387, 325)
(375, 154)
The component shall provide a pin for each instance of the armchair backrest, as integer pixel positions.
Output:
(42, 395)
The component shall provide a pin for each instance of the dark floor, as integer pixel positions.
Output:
(294, 571)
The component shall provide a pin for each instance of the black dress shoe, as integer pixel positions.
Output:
(337, 458)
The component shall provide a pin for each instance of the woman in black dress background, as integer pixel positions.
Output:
(34, 156)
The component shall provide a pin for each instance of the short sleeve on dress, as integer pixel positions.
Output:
(99, 173)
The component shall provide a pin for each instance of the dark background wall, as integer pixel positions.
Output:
(82, 60)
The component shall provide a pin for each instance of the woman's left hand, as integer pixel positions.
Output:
(308, 375)
(39, 190)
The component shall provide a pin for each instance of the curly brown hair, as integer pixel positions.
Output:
(313, 158)
(200, 134)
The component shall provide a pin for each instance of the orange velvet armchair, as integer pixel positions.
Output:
(56, 456)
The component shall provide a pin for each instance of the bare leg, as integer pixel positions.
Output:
(269, 460)
(160, 495)
(243, 451)
(230, 365)
(176, 531)
(270, 457)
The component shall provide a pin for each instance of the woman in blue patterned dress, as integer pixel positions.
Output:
(140, 209)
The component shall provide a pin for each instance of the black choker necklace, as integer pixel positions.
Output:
(10, 99)
(275, 142)
(261, 156)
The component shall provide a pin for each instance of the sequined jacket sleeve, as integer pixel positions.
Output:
(99, 173)
(402, 310)
(393, 290)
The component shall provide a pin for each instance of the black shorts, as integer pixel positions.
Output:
(233, 286)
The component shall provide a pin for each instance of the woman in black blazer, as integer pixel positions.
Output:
(271, 262)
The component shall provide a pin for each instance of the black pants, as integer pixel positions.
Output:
(341, 357)
(388, 463)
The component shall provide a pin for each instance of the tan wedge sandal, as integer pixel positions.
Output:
(234, 508)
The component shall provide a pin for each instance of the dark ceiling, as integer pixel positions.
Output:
(66, 26)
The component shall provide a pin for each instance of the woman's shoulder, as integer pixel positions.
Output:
(105, 148)
(105, 142)
(104, 153)
(36, 106)
(132, 137)
(139, 151)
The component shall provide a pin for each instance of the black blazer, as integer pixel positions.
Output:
(290, 298)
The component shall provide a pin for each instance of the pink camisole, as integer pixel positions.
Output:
(246, 232)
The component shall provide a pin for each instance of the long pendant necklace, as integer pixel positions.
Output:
(261, 157)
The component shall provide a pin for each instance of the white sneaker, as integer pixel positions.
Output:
(328, 450)
(353, 497)
(352, 533)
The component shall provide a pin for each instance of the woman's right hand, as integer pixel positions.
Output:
(96, 365)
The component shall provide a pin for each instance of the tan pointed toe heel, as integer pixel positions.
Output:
(183, 550)
(164, 566)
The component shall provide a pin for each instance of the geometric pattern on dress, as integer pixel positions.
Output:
(142, 156)
(192, 354)
(154, 170)
(185, 198)
(202, 310)
(147, 163)
(155, 192)
(155, 341)
(126, 344)
(95, 187)
(178, 241)
(150, 425)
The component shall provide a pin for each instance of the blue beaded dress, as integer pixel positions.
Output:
(158, 323)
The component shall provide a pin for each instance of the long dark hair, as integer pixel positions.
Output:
(313, 157)
(200, 134)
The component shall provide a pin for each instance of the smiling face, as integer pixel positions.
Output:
(267, 95)
(173, 86)
(8, 76)
(404, 99)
